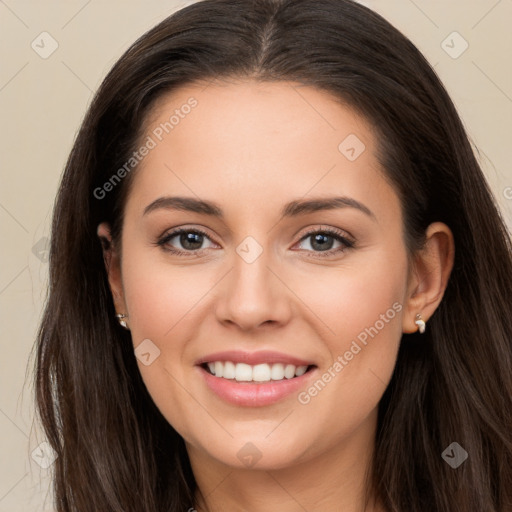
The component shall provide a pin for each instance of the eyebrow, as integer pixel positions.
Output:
(291, 209)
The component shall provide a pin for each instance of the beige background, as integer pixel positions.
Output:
(42, 102)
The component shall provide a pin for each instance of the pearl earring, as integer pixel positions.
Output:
(120, 317)
(420, 323)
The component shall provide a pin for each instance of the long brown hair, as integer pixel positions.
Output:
(115, 450)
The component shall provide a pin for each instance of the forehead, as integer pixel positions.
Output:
(245, 113)
(258, 143)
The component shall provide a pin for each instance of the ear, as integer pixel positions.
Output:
(429, 275)
(112, 261)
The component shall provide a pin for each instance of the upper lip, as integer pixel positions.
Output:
(253, 358)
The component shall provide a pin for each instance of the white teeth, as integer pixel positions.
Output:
(277, 372)
(289, 371)
(261, 373)
(243, 372)
(301, 370)
(264, 372)
(219, 367)
(229, 371)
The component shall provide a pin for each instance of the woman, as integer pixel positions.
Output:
(278, 278)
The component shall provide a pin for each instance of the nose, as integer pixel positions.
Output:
(253, 294)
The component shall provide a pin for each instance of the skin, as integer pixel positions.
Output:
(252, 147)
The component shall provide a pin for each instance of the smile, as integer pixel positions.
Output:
(265, 372)
(255, 379)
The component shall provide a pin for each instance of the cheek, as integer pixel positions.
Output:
(359, 294)
(161, 296)
(364, 310)
(369, 314)
(164, 304)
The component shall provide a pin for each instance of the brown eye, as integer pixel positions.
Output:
(322, 242)
(190, 240)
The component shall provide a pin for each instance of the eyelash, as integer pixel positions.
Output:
(336, 234)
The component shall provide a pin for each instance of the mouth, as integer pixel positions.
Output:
(258, 373)
(255, 379)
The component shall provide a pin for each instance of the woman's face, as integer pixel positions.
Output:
(265, 283)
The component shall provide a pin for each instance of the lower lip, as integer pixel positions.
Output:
(254, 394)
